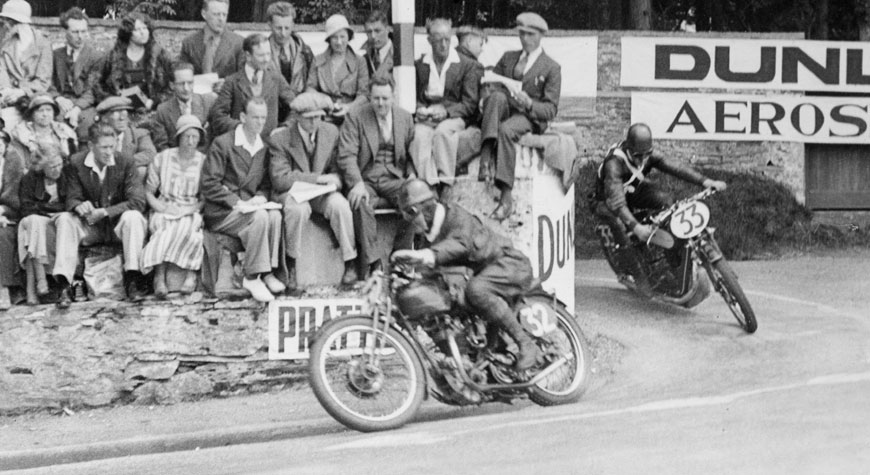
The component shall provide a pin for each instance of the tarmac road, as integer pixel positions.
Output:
(677, 391)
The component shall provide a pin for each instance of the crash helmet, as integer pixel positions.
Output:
(638, 140)
(413, 193)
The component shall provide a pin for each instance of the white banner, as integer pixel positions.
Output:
(578, 55)
(730, 117)
(726, 63)
(293, 322)
(552, 252)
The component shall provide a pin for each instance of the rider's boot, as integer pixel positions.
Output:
(528, 352)
(628, 260)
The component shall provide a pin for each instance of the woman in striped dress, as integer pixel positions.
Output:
(172, 191)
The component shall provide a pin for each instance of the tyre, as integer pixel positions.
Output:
(364, 395)
(725, 282)
(568, 382)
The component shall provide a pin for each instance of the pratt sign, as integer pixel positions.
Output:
(751, 117)
(787, 65)
(293, 322)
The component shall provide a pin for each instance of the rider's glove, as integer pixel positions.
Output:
(717, 184)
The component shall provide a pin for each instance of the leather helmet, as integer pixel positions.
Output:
(639, 139)
(414, 192)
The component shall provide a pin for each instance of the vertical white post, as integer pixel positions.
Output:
(403, 54)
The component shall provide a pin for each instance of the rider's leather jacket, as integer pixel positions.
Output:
(618, 176)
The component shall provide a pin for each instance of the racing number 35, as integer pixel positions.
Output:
(689, 220)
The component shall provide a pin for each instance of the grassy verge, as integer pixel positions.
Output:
(755, 218)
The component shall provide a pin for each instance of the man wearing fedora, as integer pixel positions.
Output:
(104, 203)
(507, 115)
(75, 65)
(183, 102)
(25, 55)
(305, 151)
(132, 142)
(257, 78)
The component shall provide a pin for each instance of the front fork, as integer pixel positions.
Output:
(705, 247)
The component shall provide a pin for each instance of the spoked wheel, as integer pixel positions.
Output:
(570, 380)
(725, 282)
(365, 393)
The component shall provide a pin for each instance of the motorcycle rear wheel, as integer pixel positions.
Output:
(567, 383)
(360, 395)
(725, 281)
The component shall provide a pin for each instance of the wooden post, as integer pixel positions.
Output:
(403, 54)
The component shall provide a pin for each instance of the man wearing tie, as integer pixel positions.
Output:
(509, 115)
(214, 49)
(184, 102)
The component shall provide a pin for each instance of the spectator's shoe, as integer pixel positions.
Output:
(79, 291)
(503, 210)
(350, 276)
(135, 290)
(65, 299)
(258, 290)
(274, 285)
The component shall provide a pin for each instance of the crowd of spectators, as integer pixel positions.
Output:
(117, 148)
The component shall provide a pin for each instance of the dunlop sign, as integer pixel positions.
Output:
(552, 252)
(292, 323)
(720, 63)
(729, 117)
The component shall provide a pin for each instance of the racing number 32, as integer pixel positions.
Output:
(538, 318)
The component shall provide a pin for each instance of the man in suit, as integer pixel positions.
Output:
(305, 151)
(374, 161)
(104, 202)
(235, 186)
(184, 102)
(256, 79)
(74, 67)
(378, 48)
(509, 115)
(25, 55)
(291, 56)
(471, 40)
(448, 86)
(214, 49)
(132, 142)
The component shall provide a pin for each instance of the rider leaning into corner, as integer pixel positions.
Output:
(454, 237)
(622, 186)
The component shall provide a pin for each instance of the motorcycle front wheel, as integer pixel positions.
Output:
(568, 382)
(367, 380)
(725, 281)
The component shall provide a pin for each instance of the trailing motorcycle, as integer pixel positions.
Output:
(371, 372)
(681, 260)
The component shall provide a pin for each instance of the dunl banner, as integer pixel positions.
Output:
(727, 63)
(552, 249)
(729, 117)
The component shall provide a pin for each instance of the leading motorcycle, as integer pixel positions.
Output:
(681, 260)
(371, 372)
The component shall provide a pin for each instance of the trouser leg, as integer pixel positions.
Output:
(335, 208)
(444, 148)
(509, 134)
(131, 229)
(253, 230)
(421, 153)
(295, 216)
(70, 232)
(366, 228)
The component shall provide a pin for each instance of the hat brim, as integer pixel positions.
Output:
(116, 108)
(33, 108)
(17, 17)
(530, 29)
(188, 127)
(349, 33)
(317, 113)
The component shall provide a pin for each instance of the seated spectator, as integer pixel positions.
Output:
(235, 186)
(374, 162)
(25, 56)
(305, 151)
(131, 142)
(43, 197)
(75, 66)
(136, 61)
(104, 203)
(471, 41)
(40, 127)
(172, 191)
(338, 72)
(508, 115)
(184, 102)
(290, 54)
(448, 86)
(378, 48)
(11, 170)
(257, 79)
(214, 49)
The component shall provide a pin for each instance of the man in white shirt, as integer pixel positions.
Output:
(508, 115)
(448, 86)
(235, 186)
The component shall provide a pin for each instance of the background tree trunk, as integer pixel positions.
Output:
(640, 14)
(822, 31)
(864, 20)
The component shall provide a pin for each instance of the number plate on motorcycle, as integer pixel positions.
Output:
(690, 219)
(538, 319)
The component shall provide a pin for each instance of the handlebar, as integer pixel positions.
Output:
(663, 215)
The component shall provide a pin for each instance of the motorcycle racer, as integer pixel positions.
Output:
(453, 236)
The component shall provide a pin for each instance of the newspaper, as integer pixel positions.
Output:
(303, 191)
(512, 85)
(247, 208)
(203, 83)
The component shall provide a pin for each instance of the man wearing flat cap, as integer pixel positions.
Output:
(508, 115)
(133, 143)
(305, 151)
